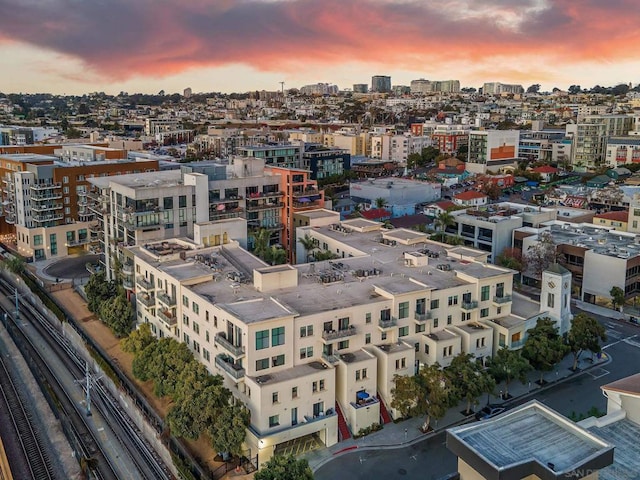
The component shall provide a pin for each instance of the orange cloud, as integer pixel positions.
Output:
(121, 39)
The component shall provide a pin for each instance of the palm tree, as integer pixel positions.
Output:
(380, 202)
(444, 220)
(309, 244)
(261, 243)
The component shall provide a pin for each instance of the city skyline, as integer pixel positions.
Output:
(236, 46)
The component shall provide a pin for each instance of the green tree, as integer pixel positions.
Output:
(541, 254)
(261, 243)
(285, 467)
(507, 365)
(469, 379)
(118, 314)
(380, 202)
(492, 190)
(544, 348)
(429, 154)
(138, 339)
(428, 393)
(14, 264)
(309, 244)
(617, 297)
(511, 258)
(159, 362)
(535, 88)
(97, 290)
(229, 429)
(444, 220)
(276, 255)
(585, 334)
(321, 255)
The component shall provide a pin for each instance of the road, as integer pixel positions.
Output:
(429, 459)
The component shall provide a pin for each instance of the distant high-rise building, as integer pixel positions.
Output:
(319, 89)
(380, 84)
(496, 88)
(427, 86)
(360, 88)
(187, 92)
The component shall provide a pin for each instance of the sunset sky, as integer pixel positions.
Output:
(81, 46)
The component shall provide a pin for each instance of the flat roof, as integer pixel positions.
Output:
(532, 439)
(28, 157)
(140, 180)
(602, 240)
(290, 373)
(624, 434)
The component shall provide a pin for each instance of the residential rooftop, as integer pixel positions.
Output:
(530, 440)
(139, 181)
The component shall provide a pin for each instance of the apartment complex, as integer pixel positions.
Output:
(423, 86)
(492, 150)
(325, 162)
(590, 136)
(381, 84)
(45, 201)
(448, 138)
(497, 88)
(281, 155)
(314, 346)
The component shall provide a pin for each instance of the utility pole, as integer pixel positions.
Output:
(88, 387)
(282, 88)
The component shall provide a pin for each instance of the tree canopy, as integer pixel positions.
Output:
(585, 334)
(284, 467)
(544, 348)
(507, 365)
(469, 379)
(118, 314)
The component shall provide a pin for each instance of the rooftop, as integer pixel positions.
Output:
(526, 441)
(137, 181)
(624, 434)
(625, 385)
(290, 373)
(28, 157)
(469, 195)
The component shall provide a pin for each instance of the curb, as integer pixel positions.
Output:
(437, 431)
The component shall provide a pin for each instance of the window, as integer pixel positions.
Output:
(294, 392)
(306, 352)
(383, 336)
(262, 364)
(500, 289)
(403, 331)
(195, 307)
(484, 312)
(420, 328)
(167, 202)
(182, 201)
(185, 320)
(364, 373)
(37, 240)
(262, 339)
(447, 351)
(367, 338)
(206, 355)
(343, 344)
(367, 317)
(274, 421)
(403, 310)
(185, 301)
(274, 397)
(277, 336)
(206, 336)
(206, 316)
(452, 300)
(434, 304)
(435, 323)
(65, 179)
(277, 361)
(306, 331)
(314, 387)
(550, 300)
(358, 375)
(465, 316)
(502, 340)
(343, 323)
(448, 319)
(196, 327)
(321, 385)
(484, 293)
(186, 338)
(426, 349)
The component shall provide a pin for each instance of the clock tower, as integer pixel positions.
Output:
(555, 296)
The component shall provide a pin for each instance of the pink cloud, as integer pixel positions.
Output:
(122, 38)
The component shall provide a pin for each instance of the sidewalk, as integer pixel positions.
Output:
(407, 432)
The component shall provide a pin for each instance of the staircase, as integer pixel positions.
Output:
(343, 428)
(384, 413)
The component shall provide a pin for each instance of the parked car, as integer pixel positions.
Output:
(490, 411)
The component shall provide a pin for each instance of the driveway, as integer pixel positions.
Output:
(71, 267)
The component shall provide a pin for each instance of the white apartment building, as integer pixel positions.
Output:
(497, 88)
(622, 151)
(590, 137)
(305, 345)
(396, 148)
(492, 150)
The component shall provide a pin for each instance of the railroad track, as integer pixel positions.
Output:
(33, 448)
(149, 464)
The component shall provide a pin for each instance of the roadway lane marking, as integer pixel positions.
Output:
(601, 371)
(628, 341)
(612, 325)
(622, 340)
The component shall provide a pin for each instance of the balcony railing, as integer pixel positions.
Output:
(77, 241)
(127, 284)
(264, 195)
(134, 226)
(47, 218)
(366, 402)
(422, 317)
(517, 343)
(45, 207)
(501, 300)
(472, 305)
(227, 345)
(330, 358)
(306, 192)
(127, 268)
(93, 268)
(312, 203)
(39, 187)
(166, 299)
(336, 334)
(42, 196)
(386, 324)
(95, 227)
(147, 300)
(263, 206)
(144, 283)
(236, 371)
(167, 317)
(224, 215)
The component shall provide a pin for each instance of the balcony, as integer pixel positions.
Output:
(332, 359)
(85, 216)
(501, 299)
(127, 284)
(146, 300)
(235, 350)
(95, 227)
(232, 199)
(469, 306)
(256, 226)
(127, 268)
(228, 365)
(421, 317)
(167, 317)
(78, 241)
(225, 214)
(45, 195)
(52, 217)
(364, 402)
(144, 284)
(264, 195)
(263, 206)
(331, 335)
(43, 187)
(516, 344)
(93, 268)
(306, 192)
(388, 323)
(309, 204)
(131, 225)
(166, 299)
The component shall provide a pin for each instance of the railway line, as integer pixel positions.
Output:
(146, 462)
